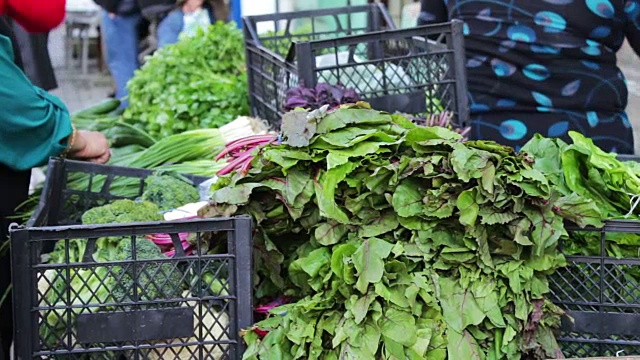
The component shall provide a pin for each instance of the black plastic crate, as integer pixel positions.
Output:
(601, 293)
(190, 306)
(395, 70)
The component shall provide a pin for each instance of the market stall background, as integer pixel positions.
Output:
(80, 90)
(89, 80)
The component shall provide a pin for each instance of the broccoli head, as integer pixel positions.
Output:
(153, 280)
(117, 212)
(123, 211)
(169, 192)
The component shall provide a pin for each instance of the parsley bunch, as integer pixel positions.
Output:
(199, 82)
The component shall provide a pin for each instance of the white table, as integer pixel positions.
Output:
(82, 6)
(81, 23)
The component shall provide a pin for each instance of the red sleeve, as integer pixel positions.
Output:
(36, 15)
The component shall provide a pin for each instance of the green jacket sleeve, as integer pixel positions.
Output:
(34, 125)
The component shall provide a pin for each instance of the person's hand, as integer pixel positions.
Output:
(90, 146)
(192, 5)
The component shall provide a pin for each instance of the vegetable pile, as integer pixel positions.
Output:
(195, 85)
(199, 82)
(583, 169)
(399, 241)
(190, 153)
(106, 118)
(331, 96)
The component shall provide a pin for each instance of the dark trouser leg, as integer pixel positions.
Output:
(14, 188)
(121, 43)
(6, 319)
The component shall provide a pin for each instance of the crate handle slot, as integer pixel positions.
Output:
(137, 325)
(603, 323)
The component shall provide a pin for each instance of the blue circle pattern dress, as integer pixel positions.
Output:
(545, 66)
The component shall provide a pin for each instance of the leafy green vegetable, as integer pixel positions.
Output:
(399, 242)
(199, 82)
(583, 172)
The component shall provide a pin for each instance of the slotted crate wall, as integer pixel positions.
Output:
(419, 70)
(601, 293)
(61, 205)
(190, 306)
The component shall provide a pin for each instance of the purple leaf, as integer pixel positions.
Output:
(322, 94)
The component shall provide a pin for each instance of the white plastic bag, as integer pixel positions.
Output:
(205, 188)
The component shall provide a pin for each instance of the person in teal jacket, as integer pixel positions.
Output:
(33, 127)
(37, 125)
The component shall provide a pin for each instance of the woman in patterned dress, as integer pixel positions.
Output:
(545, 66)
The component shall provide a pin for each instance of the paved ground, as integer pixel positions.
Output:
(79, 91)
(75, 89)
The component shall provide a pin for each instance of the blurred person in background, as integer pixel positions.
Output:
(34, 51)
(120, 25)
(545, 67)
(188, 17)
(34, 126)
